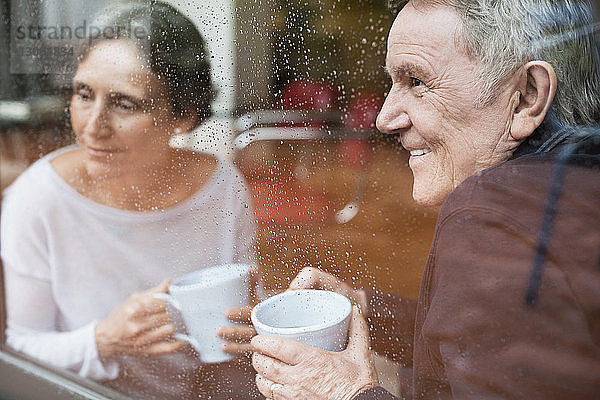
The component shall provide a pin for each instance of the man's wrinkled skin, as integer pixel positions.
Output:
(433, 105)
(344, 374)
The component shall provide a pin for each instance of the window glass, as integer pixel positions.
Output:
(166, 165)
(301, 80)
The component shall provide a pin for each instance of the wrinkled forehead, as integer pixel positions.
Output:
(117, 53)
(430, 30)
(120, 63)
(427, 23)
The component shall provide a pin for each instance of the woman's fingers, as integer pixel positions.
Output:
(158, 341)
(164, 347)
(152, 322)
(162, 287)
(239, 333)
(237, 348)
(138, 321)
(148, 302)
(239, 314)
(152, 342)
(158, 334)
(140, 305)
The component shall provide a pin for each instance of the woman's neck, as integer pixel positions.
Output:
(163, 183)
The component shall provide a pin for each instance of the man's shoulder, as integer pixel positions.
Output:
(520, 187)
(502, 184)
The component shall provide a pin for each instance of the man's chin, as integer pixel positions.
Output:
(428, 197)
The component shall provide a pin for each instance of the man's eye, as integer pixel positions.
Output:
(415, 82)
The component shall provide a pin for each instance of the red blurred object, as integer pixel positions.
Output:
(361, 117)
(289, 203)
(362, 112)
(308, 95)
(355, 152)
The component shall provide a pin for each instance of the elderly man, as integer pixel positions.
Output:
(498, 103)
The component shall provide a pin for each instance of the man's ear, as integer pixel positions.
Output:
(533, 105)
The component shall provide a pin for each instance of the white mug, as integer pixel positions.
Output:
(202, 297)
(318, 318)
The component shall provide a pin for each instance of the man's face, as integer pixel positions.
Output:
(432, 104)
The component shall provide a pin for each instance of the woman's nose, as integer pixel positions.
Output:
(393, 118)
(97, 121)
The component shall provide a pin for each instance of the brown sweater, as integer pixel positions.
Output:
(474, 336)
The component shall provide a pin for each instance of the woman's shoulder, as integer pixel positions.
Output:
(208, 170)
(35, 187)
(215, 179)
(37, 174)
(67, 164)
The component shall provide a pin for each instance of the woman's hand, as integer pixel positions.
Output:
(239, 334)
(313, 278)
(139, 326)
(291, 370)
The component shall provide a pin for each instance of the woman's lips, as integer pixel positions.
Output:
(99, 152)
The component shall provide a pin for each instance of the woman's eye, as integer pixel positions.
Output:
(83, 94)
(415, 82)
(126, 105)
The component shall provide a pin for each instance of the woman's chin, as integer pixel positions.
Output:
(100, 171)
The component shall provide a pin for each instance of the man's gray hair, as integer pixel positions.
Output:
(505, 34)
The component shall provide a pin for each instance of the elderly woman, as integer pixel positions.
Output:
(497, 103)
(90, 233)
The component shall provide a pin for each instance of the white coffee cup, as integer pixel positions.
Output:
(318, 318)
(202, 297)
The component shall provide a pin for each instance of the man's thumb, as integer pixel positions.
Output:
(358, 335)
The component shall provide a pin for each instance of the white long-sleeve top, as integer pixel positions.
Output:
(69, 261)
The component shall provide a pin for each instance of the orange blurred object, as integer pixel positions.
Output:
(278, 197)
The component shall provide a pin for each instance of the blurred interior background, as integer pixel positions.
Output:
(328, 190)
(299, 84)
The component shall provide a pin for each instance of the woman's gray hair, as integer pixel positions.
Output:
(173, 46)
(505, 34)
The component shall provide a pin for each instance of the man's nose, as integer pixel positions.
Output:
(393, 118)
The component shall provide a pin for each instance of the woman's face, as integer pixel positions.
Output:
(120, 112)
